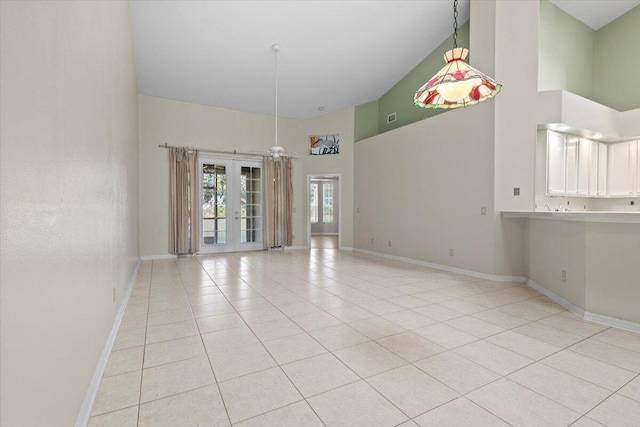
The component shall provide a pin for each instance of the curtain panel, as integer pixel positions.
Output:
(184, 237)
(278, 203)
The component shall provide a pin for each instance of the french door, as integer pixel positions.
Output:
(231, 200)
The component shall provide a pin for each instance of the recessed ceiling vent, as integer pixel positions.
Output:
(391, 118)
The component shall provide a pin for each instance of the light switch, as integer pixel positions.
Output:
(516, 191)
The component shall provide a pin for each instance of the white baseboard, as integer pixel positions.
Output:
(157, 257)
(556, 298)
(612, 321)
(85, 410)
(586, 315)
(495, 278)
(346, 248)
(325, 234)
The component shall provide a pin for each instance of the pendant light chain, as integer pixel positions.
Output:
(457, 84)
(455, 24)
(276, 48)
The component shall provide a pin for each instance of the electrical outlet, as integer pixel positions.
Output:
(564, 276)
(483, 211)
(516, 191)
(357, 210)
(114, 294)
(294, 210)
(389, 244)
(450, 252)
(372, 240)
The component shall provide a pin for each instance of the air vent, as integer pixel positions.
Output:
(391, 118)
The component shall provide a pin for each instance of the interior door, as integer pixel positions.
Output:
(231, 199)
(324, 206)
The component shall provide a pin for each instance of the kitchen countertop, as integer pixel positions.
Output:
(625, 217)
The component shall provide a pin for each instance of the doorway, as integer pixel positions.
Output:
(231, 201)
(324, 213)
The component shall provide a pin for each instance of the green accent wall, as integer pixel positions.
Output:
(617, 62)
(366, 120)
(399, 99)
(602, 65)
(371, 118)
(565, 52)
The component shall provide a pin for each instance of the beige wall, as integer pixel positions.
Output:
(69, 199)
(600, 261)
(613, 270)
(422, 187)
(341, 122)
(185, 124)
(516, 68)
(555, 246)
(446, 177)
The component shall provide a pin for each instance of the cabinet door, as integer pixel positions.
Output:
(584, 166)
(620, 174)
(572, 166)
(636, 160)
(593, 168)
(602, 169)
(556, 164)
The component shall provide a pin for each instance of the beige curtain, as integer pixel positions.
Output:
(278, 203)
(184, 237)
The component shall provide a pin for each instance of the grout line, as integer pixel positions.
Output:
(284, 372)
(270, 354)
(301, 294)
(215, 379)
(144, 343)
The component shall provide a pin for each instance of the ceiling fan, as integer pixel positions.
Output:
(276, 151)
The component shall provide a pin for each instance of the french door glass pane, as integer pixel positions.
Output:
(327, 204)
(214, 204)
(313, 203)
(250, 208)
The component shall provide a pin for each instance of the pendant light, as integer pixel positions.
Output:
(458, 84)
(276, 150)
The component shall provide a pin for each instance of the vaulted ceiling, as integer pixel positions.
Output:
(334, 54)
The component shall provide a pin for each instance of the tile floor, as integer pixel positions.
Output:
(323, 337)
(319, 241)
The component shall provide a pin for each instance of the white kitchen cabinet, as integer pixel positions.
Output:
(576, 166)
(637, 168)
(598, 169)
(584, 166)
(581, 167)
(593, 169)
(572, 166)
(556, 164)
(621, 168)
(602, 169)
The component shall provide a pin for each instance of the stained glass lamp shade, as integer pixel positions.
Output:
(458, 84)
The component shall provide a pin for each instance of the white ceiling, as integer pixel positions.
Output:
(334, 54)
(596, 13)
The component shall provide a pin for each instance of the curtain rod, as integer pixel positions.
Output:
(234, 152)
